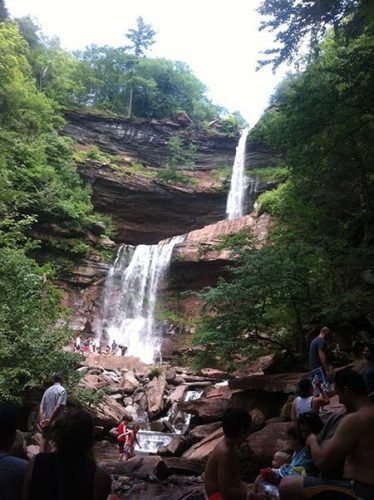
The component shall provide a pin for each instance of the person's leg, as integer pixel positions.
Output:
(291, 488)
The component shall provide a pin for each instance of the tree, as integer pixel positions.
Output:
(4, 15)
(141, 38)
(295, 21)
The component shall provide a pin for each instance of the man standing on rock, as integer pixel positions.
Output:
(52, 405)
(318, 359)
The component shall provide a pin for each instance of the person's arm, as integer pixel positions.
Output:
(61, 401)
(348, 433)
(226, 476)
(322, 357)
(293, 411)
(321, 400)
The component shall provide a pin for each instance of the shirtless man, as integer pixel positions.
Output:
(353, 440)
(222, 472)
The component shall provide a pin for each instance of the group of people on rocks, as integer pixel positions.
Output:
(333, 459)
(330, 460)
(69, 471)
(89, 345)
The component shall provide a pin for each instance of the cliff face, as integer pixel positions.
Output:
(143, 208)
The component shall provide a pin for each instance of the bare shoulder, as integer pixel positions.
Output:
(358, 421)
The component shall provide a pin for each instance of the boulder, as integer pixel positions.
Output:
(155, 392)
(258, 420)
(286, 383)
(202, 449)
(201, 431)
(129, 382)
(108, 413)
(176, 447)
(267, 441)
(95, 382)
(139, 466)
(182, 467)
(214, 373)
(178, 393)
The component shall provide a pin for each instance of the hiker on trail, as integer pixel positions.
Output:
(77, 345)
(222, 472)
(306, 402)
(368, 370)
(51, 407)
(114, 347)
(69, 473)
(318, 359)
(121, 434)
(353, 442)
(12, 469)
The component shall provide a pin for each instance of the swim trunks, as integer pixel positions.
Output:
(315, 486)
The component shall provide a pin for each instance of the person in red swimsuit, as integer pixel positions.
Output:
(131, 439)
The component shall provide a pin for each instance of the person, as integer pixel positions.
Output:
(121, 434)
(280, 458)
(51, 407)
(12, 469)
(114, 347)
(368, 370)
(222, 474)
(77, 345)
(130, 440)
(70, 472)
(318, 359)
(305, 402)
(309, 423)
(352, 441)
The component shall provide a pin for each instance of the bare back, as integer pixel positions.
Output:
(360, 459)
(222, 473)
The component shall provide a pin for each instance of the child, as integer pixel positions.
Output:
(131, 439)
(121, 434)
(222, 474)
(280, 458)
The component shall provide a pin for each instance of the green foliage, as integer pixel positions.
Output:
(294, 22)
(155, 371)
(177, 153)
(88, 398)
(270, 174)
(310, 271)
(30, 344)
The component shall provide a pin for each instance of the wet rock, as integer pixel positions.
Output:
(182, 467)
(139, 467)
(108, 413)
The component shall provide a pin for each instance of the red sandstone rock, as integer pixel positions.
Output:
(129, 382)
(155, 391)
(202, 449)
(267, 441)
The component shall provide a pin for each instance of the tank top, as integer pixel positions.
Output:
(56, 479)
(303, 405)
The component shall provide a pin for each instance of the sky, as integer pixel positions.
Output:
(218, 39)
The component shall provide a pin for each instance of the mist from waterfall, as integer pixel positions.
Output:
(130, 294)
(235, 200)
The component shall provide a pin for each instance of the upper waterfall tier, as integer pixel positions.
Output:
(239, 182)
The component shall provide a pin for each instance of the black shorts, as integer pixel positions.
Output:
(315, 487)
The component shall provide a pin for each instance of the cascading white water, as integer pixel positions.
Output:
(235, 200)
(130, 293)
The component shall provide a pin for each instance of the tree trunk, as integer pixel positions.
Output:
(129, 112)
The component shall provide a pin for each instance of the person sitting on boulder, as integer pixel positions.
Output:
(121, 434)
(305, 402)
(222, 474)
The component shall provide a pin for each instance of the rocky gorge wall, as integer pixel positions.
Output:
(145, 209)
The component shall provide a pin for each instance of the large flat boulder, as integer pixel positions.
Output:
(267, 441)
(155, 392)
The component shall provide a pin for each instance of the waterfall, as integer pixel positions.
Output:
(234, 208)
(130, 294)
